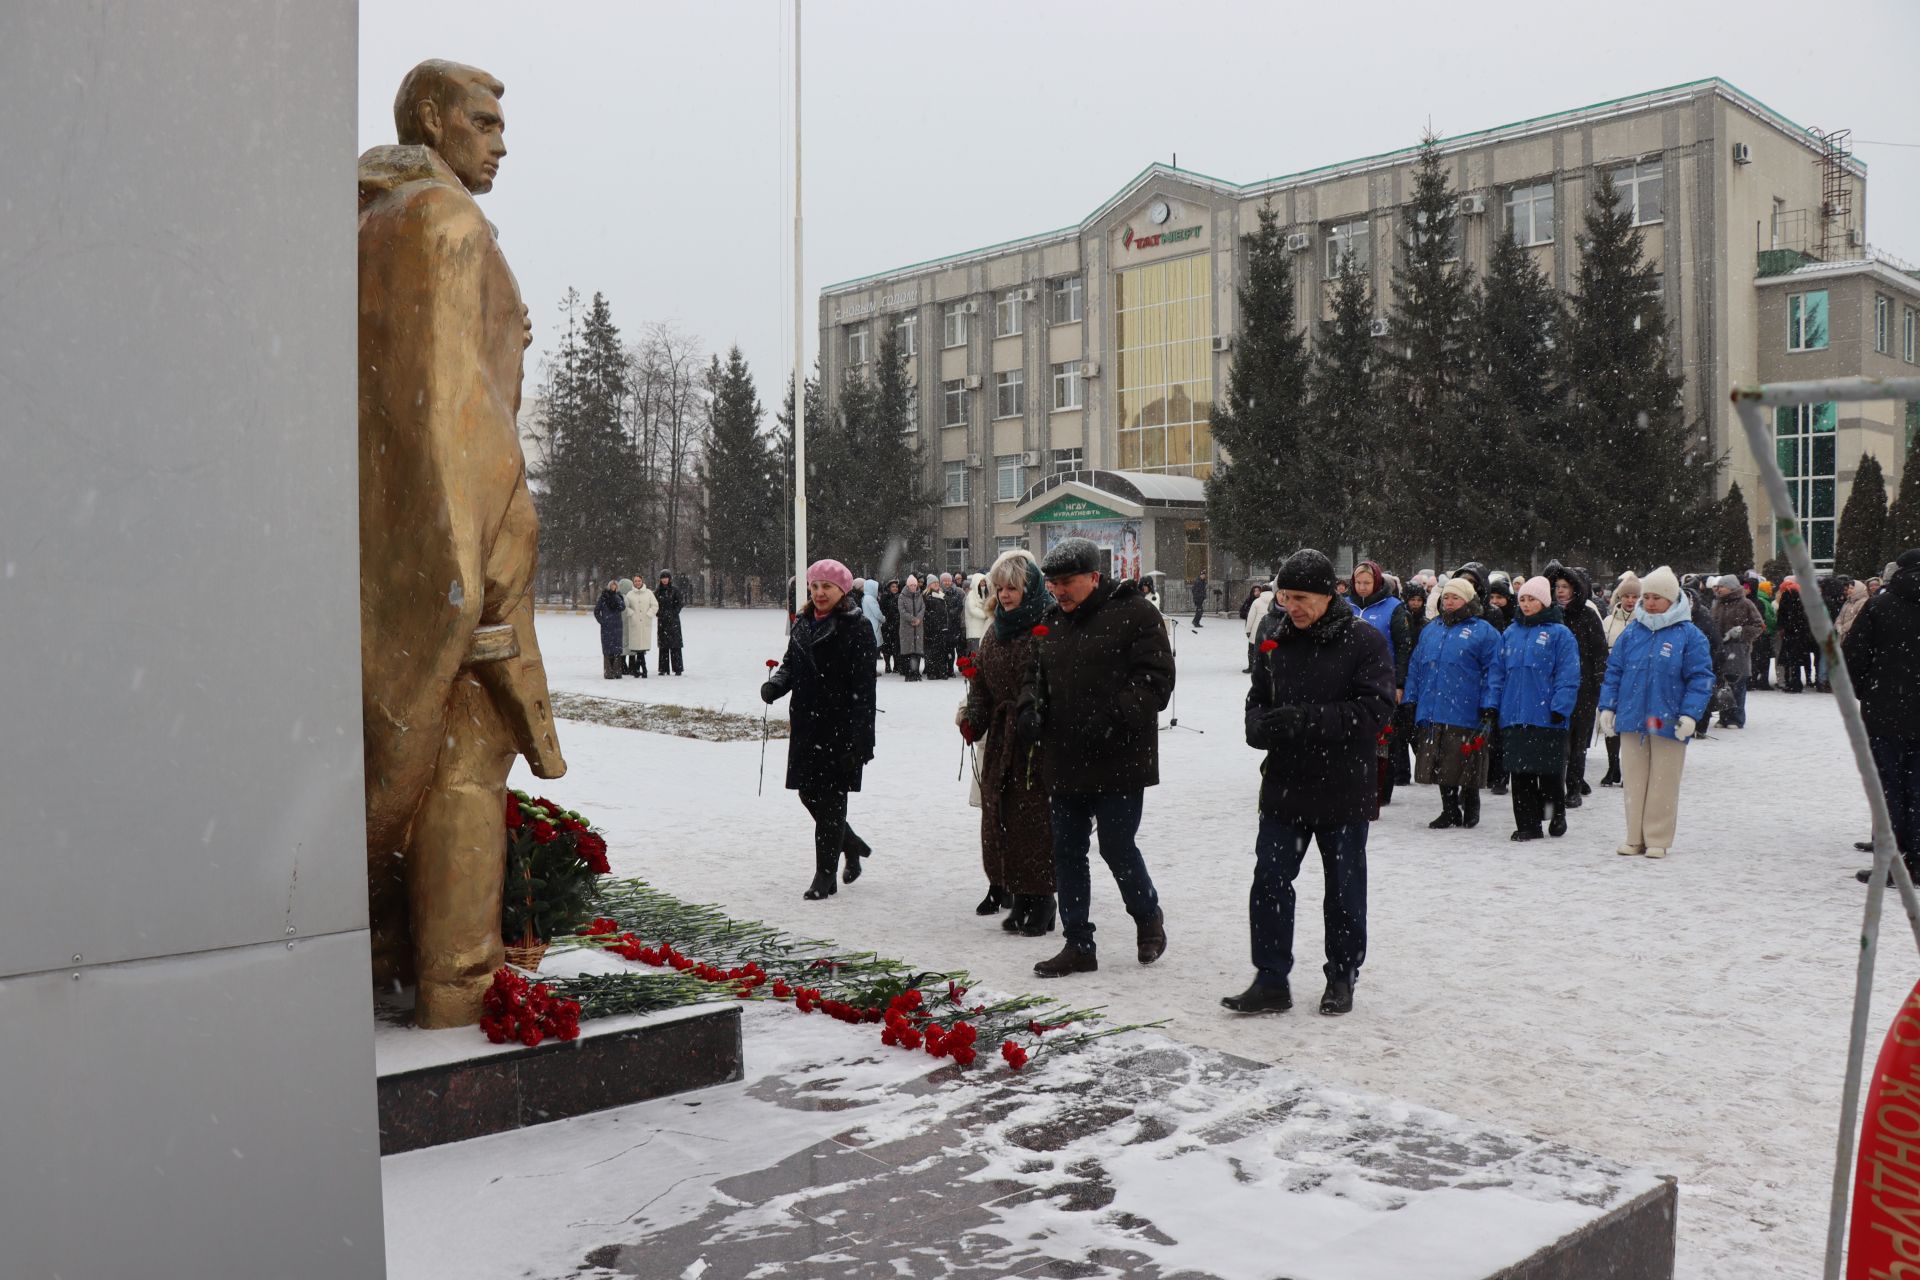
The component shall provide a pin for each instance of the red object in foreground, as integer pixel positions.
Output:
(1042, 629)
(772, 663)
(1884, 1236)
(1269, 645)
(1016, 1056)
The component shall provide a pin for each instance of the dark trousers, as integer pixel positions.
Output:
(1400, 745)
(1278, 852)
(1736, 715)
(610, 665)
(832, 834)
(1898, 762)
(1117, 814)
(1532, 795)
(670, 663)
(1613, 755)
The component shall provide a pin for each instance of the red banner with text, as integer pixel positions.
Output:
(1884, 1243)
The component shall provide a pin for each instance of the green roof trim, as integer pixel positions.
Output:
(1378, 157)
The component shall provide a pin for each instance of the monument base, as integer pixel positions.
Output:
(447, 1086)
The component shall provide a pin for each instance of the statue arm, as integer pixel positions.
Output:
(518, 685)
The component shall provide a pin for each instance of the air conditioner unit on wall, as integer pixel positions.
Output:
(973, 462)
(969, 308)
(1742, 153)
(1473, 206)
(1031, 458)
(1223, 342)
(1089, 368)
(1299, 241)
(1025, 295)
(973, 382)
(1379, 327)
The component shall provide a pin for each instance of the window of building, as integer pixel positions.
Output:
(959, 484)
(1913, 422)
(906, 334)
(1008, 542)
(1804, 447)
(1066, 385)
(956, 556)
(1530, 214)
(1067, 297)
(1065, 460)
(953, 324)
(1912, 336)
(1882, 323)
(1640, 188)
(1654, 299)
(1010, 313)
(1009, 393)
(912, 421)
(1163, 379)
(1010, 477)
(953, 397)
(1807, 321)
(1354, 237)
(1456, 235)
(857, 344)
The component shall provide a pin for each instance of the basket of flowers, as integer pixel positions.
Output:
(554, 862)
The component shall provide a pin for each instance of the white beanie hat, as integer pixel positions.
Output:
(1461, 587)
(1661, 582)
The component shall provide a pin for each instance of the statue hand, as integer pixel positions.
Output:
(526, 326)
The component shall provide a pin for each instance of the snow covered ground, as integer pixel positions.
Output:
(1687, 1016)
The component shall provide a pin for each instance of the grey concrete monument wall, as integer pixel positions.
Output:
(186, 1061)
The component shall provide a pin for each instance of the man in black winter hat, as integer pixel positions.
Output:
(1106, 673)
(1322, 690)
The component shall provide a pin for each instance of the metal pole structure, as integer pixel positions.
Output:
(799, 352)
(1749, 402)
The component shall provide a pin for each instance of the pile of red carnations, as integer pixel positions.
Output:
(747, 977)
(516, 1010)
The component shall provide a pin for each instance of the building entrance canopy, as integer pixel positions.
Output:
(1143, 523)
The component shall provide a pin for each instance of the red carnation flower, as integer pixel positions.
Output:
(1042, 629)
(543, 832)
(963, 1055)
(513, 814)
(592, 849)
(1016, 1056)
(1269, 645)
(771, 664)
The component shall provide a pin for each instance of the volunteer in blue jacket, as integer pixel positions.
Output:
(1378, 604)
(1538, 679)
(1659, 682)
(1450, 684)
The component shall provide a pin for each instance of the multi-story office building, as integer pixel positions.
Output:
(1065, 382)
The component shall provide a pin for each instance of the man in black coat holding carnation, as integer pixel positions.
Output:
(1322, 689)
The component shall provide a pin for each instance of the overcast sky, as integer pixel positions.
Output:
(649, 154)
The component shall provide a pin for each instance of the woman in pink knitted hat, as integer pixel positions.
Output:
(829, 671)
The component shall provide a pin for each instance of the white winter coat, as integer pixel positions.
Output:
(1257, 613)
(979, 610)
(642, 607)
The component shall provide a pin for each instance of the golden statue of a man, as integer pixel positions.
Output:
(453, 687)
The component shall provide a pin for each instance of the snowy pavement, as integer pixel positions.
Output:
(1687, 1016)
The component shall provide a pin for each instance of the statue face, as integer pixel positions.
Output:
(469, 133)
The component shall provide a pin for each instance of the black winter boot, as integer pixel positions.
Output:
(1151, 937)
(996, 898)
(1469, 806)
(823, 886)
(1338, 998)
(1070, 959)
(855, 849)
(1261, 997)
(1557, 823)
(1449, 809)
(1041, 914)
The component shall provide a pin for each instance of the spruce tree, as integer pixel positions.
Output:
(1643, 475)
(1860, 543)
(899, 497)
(1345, 446)
(1512, 510)
(1427, 373)
(1736, 533)
(1260, 503)
(1903, 519)
(741, 533)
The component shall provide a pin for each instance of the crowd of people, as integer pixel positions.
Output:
(1475, 682)
(631, 617)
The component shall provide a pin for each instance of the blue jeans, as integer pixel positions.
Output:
(1118, 816)
(1898, 761)
(1737, 713)
(1278, 852)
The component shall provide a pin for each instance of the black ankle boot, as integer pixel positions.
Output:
(1557, 824)
(1040, 916)
(996, 898)
(823, 869)
(1470, 807)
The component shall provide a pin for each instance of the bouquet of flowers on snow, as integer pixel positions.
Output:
(554, 860)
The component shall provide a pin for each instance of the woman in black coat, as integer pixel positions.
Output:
(1571, 592)
(668, 624)
(890, 623)
(1796, 636)
(829, 671)
(608, 611)
(939, 633)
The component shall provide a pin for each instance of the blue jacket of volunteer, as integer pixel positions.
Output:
(1450, 680)
(1537, 675)
(1661, 668)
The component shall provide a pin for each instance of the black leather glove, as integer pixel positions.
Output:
(1026, 722)
(1489, 722)
(1285, 723)
(770, 692)
(1555, 717)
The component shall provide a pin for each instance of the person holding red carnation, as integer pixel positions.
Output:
(830, 673)
(1322, 689)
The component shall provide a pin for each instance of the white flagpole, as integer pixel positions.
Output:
(799, 353)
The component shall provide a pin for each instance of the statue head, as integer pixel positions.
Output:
(455, 110)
